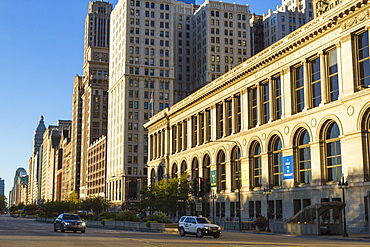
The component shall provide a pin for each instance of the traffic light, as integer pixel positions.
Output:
(194, 187)
(202, 187)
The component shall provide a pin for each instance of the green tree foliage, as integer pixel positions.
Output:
(158, 217)
(3, 203)
(127, 215)
(54, 208)
(165, 195)
(95, 205)
(73, 197)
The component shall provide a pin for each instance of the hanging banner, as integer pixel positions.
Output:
(288, 167)
(213, 178)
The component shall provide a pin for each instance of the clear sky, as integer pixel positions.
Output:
(41, 47)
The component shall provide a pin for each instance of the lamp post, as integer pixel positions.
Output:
(213, 196)
(343, 185)
(267, 191)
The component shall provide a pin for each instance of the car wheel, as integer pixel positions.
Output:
(55, 230)
(62, 228)
(200, 233)
(216, 236)
(182, 231)
(82, 231)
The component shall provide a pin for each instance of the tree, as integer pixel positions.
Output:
(96, 204)
(165, 195)
(3, 203)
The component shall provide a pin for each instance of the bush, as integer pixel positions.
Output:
(147, 224)
(159, 217)
(106, 215)
(127, 215)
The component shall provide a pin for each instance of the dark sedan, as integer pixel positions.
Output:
(69, 222)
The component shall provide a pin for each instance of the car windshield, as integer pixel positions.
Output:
(203, 220)
(71, 217)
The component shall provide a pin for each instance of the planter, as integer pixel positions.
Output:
(261, 228)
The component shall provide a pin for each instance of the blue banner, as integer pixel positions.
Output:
(288, 167)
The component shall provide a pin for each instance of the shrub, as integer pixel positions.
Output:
(106, 215)
(149, 222)
(127, 215)
(159, 217)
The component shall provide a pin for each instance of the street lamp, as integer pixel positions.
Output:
(213, 196)
(267, 191)
(344, 185)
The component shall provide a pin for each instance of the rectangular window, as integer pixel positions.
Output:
(220, 120)
(179, 127)
(229, 110)
(277, 97)
(265, 88)
(333, 83)
(238, 112)
(201, 128)
(194, 129)
(253, 107)
(208, 122)
(174, 138)
(315, 82)
(363, 59)
(298, 89)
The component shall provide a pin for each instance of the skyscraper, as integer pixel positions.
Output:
(90, 99)
(159, 53)
(15, 193)
(35, 163)
(2, 186)
(285, 19)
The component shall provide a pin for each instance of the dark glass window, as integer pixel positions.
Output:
(315, 82)
(363, 59)
(333, 75)
(298, 88)
(265, 88)
(304, 157)
(253, 101)
(333, 153)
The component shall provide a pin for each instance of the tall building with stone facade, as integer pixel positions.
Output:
(160, 52)
(285, 19)
(52, 160)
(34, 164)
(16, 195)
(292, 120)
(90, 97)
(96, 168)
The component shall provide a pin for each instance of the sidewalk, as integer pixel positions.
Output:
(351, 236)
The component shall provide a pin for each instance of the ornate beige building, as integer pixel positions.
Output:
(293, 119)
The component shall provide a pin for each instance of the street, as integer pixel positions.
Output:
(28, 232)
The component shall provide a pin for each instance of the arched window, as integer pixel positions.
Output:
(365, 130)
(160, 173)
(207, 173)
(333, 154)
(276, 161)
(183, 167)
(302, 157)
(195, 168)
(174, 171)
(221, 171)
(256, 164)
(235, 169)
(152, 176)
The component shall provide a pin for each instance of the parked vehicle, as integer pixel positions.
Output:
(71, 222)
(200, 226)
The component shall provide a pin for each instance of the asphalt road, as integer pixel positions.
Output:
(28, 233)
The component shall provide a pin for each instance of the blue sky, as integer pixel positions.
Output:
(41, 47)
